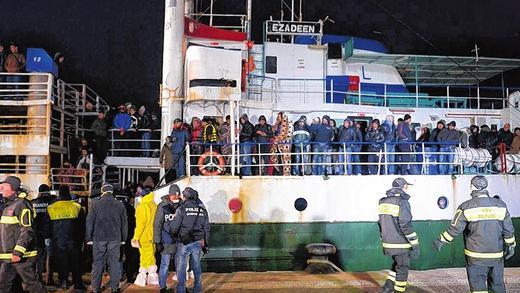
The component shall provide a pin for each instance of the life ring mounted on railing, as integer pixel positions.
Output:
(211, 163)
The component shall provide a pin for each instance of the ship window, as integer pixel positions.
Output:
(442, 202)
(271, 64)
(300, 204)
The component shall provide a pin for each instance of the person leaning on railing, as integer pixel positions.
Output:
(404, 136)
(145, 125)
(301, 139)
(196, 146)
(449, 138)
(179, 138)
(263, 133)
(515, 146)
(389, 128)
(246, 140)
(122, 123)
(375, 136)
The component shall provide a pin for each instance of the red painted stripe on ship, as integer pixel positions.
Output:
(196, 29)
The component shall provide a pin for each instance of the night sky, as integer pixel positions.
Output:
(115, 46)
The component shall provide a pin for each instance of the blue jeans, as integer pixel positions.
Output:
(193, 251)
(372, 169)
(163, 270)
(320, 159)
(245, 149)
(390, 159)
(345, 158)
(145, 143)
(13, 79)
(180, 166)
(445, 169)
(302, 156)
(356, 159)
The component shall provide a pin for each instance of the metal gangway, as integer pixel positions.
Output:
(39, 116)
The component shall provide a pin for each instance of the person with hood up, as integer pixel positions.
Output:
(66, 231)
(179, 138)
(448, 138)
(488, 140)
(41, 222)
(474, 136)
(106, 231)
(166, 160)
(191, 223)
(347, 137)
(376, 137)
(263, 133)
(224, 138)
(389, 128)
(300, 140)
(505, 135)
(398, 237)
(146, 127)
(165, 243)
(143, 239)
(246, 144)
(196, 146)
(323, 135)
(282, 145)
(404, 136)
(489, 237)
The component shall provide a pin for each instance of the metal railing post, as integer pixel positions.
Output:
(359, 93)
(423, 168)
(478, 96)
(385, 102)
(386, 158)
(331, 91)
(379, 162)
(302, 163)
(448, 96)
(506, 99)
(188, 160)
(90, 172)
(345, 163)
(259, 160)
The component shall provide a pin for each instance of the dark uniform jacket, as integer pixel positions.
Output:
(42, 220)
(16, 229)
(191, 223)
(165, 213)
(486, 225)
(67, 225)
(395, 223)
(107, 220)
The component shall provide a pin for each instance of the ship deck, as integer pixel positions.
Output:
(439, 280)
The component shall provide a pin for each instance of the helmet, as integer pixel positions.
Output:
(479, 182)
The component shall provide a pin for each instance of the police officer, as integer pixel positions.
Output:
(17, 243)
(165, 243)
(67, 229)
(398, 237)
(106, 232)
(191, 223)
(43, 242)
(487, 228)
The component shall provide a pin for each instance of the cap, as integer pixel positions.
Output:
(13, 181)
(452, 123)
(406, 117)
(107, 188)
(190, 193)
(480, 182)
(400, 182)
(44, 188)
(174, 189)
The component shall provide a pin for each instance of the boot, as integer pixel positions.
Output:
(153, 277)
(140, 280)
(388, 287)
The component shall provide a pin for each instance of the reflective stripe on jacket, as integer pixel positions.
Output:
(487, 227)
(395, 223)
(16, 229)
(67, 222)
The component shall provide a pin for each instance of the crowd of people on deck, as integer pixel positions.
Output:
(321, 147)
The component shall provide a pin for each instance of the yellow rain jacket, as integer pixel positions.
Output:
(144, 217)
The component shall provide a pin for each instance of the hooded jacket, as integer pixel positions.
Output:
(179, 138)
(165, 213)
(144, 119)
(474, 136)
(144, 219)
(266, 128)
(166, 156)
(389, 128)
(247, 131)
(395, 223)
(486, 225)
(376, 137)
(122, 120)
(505, 137)
(449, 136)
(487, 139)
(324, 133)
(301, 134)
(106, 220)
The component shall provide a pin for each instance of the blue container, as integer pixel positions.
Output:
(39, 61)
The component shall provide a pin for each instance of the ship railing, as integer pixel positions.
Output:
(135, 143)
(89, 101)
(85, 181)
(423, 158)
(217, 19)
(320, 91)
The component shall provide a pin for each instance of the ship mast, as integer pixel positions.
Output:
(172, 90)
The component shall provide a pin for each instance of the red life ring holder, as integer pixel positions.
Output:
(217, 167)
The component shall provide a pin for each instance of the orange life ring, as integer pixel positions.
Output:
(251, 64)
(208, 166)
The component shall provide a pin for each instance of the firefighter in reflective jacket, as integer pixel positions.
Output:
(488, 229)
(17, 243)
(398, 237)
